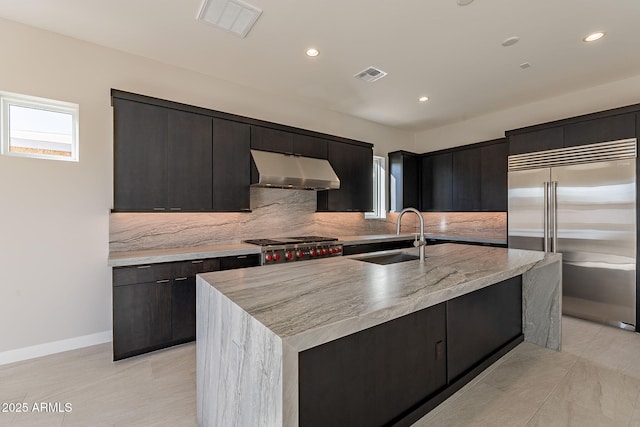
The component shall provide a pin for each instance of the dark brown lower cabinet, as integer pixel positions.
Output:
(375, 376)
(183, 313)
(141, 317)
(394, 373)
(154, 306)
(481, 322)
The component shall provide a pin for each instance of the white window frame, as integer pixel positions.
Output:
(379, 190)
(7, 99)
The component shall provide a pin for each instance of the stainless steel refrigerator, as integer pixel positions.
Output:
(581, 202)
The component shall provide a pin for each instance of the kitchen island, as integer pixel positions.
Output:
(264, 333)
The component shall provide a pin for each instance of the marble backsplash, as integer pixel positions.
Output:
(279, 213)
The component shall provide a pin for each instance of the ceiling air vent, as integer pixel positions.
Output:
(234, 16)
(370, 74)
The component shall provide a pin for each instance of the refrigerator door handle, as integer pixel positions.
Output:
(545, 238)
(554, 216)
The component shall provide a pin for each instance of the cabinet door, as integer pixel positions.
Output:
(604, 129)
(437, 183)
(309, 146)
(141, 317)
(480, 323)
(403, 187)
(493, 177)
(231, 166)
(374, 376)
(354, 166)
(268, 139)
(466, 180)
(189, 161)
(140, 156)
(183, 309)
(540, 140)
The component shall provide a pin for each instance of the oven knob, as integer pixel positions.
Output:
(334, 250)
(325, 252)
(313, 252)
(276, 257)
(339, 249)
(288, 255)
(268, 257)
(299, 254)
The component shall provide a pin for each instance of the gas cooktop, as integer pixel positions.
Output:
(289, 249)
(289, 240)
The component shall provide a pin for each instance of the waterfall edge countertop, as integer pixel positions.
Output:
(310, 303)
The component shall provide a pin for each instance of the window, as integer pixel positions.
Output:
(38, 127)
(379, 200)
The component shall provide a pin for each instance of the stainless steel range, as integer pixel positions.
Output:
(291, 249)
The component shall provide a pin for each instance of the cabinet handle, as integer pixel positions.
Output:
(198, 261)
(159, 209)
(144, 266)
(179, 279)
(159, 282)
(241, 257)
(175, 209)
(440, 350)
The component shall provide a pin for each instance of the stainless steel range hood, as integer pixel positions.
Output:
(291, 171)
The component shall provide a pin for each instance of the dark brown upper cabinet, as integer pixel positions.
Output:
(231, 166)
(537, 140)
(602, 126)
(279, 141)
(353, 163)
(603, 129)
(162, 159)
(404, 191)
(436, 185)
(171, 157)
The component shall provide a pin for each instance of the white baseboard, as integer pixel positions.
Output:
(46, 349)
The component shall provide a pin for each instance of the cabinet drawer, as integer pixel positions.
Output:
(228, 263)
(142, 273)
(163, 271)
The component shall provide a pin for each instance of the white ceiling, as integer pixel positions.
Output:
(450, 53)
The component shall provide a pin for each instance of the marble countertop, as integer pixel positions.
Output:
(310, 303)
(150, 256)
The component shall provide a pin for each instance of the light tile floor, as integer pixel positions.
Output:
(593, 381)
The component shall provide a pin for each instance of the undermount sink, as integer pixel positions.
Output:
(389, 258)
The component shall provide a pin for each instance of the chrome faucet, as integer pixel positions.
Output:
(423, 241)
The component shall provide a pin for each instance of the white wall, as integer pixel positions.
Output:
(491, 126)
(55, 283)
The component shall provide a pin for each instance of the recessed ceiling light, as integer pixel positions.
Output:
(510, 41)
(423, 99)
(594, 36)
(313, 52)
(464, 2)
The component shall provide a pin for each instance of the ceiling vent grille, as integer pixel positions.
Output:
(370, 74)
(234, 16)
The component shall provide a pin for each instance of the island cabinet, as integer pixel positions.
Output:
(374, 377)
(154, 305)
(481, 322)
(353, 163)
